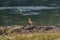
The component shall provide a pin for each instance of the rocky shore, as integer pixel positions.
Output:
(27, 29)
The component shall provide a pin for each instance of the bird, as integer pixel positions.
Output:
(30, 21)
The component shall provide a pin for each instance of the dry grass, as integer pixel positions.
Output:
(34, 36)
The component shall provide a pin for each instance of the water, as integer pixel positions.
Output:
(29, 7)
(40, 15)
